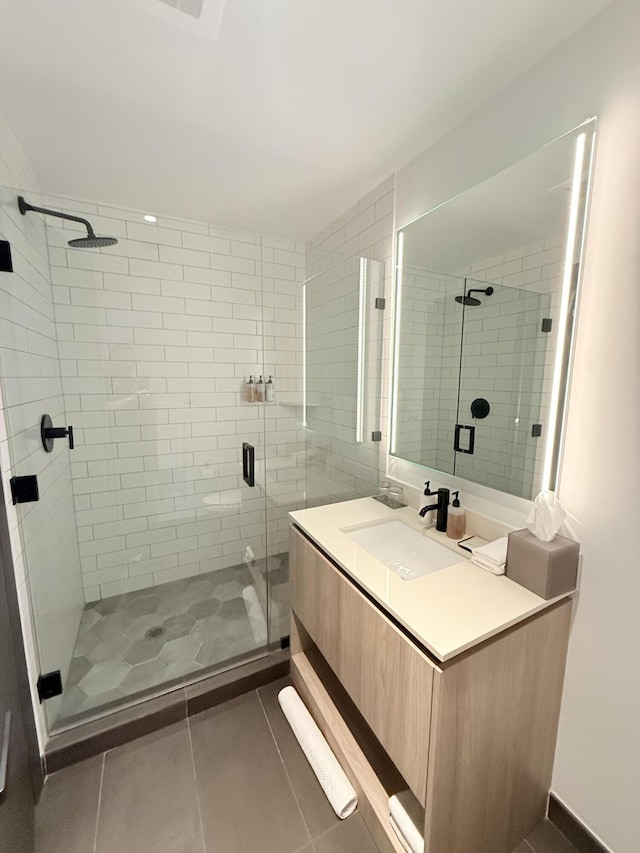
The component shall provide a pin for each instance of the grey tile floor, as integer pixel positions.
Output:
(230, 780)
(131, 643)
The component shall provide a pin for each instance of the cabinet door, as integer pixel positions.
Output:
(315, 596)
(388, 678)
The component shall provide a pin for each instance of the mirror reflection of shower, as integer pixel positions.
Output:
(468, 299)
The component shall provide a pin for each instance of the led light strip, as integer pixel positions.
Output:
(569, 260)
(362, 295)
(304, 355)
(396, 344)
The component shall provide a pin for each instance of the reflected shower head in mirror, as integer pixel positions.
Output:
(471, 300)
(91, 241)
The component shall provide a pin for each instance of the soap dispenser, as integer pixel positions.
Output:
(457, 521)
(268, 390)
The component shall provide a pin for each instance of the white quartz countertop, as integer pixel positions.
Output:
(447, 611)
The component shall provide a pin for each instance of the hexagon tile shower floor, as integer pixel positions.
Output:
(140, 640)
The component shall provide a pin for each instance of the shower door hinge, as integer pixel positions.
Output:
(285, 642)
(380, 303)
(49, 685)
(547, 323)
(376, 435)
(6, 264)
(536, 430)
(24, 490)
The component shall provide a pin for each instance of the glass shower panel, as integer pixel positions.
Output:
(342, 371)
(44, 540)
(507, 335)
(284, 433)
(154, 377)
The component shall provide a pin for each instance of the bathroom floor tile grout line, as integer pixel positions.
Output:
(95, 835)
(284, 766)
(195, 782)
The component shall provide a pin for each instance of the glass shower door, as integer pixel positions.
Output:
(183, 599)
(507, 334)
(172, 539)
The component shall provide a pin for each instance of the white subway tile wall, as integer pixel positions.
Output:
(420, 366)
(158, 336)
(338, 468)
(507, 353)
(506, 359)
(43, 536)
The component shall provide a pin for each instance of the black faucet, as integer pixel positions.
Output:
(442, 508)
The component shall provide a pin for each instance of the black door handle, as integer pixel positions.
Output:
(48, 433)
(248, 463)
(472, 439)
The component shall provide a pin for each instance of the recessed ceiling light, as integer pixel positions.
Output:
(149, 218)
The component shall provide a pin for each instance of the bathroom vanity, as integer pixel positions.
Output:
(448, 684)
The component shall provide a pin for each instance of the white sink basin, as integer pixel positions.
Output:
(402, 549)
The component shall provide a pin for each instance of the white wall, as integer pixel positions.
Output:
(598, 752)
(157, 336)
(43, 536)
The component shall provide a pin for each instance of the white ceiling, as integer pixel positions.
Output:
(296, 110)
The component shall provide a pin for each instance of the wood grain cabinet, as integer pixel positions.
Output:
(474, 737)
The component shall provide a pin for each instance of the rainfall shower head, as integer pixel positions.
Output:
(468, 300)
(471, 300)
(91, 241)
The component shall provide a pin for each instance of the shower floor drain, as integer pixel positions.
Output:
(156, 631)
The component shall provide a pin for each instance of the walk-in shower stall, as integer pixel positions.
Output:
(157, 553)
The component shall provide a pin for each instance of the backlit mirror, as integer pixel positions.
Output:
(486, 290)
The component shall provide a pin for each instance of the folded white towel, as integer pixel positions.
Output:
(408, 815)
(488, 566)
(403, 841)
(493, 552)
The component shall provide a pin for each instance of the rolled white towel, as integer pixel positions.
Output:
(324, 764)
(492, 556)
(403, 841)
(255, 613)
(408, 815)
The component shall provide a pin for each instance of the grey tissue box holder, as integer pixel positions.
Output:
(546, 568)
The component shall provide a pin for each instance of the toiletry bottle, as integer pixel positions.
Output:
(268, 390)
(260, 390)
(457, 520)
(251, 390)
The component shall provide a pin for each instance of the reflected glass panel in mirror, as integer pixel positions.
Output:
(343, 348)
